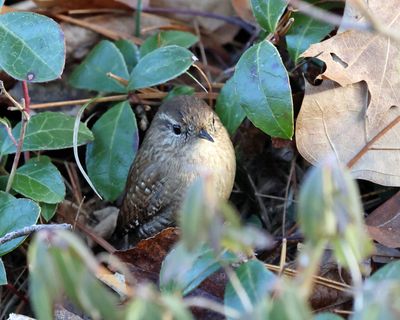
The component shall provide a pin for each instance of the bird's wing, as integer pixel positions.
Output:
(146, 194)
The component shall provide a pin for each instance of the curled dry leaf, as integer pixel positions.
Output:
(356, 102)
(384, 223)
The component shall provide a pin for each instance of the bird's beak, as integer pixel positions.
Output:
(203, 134)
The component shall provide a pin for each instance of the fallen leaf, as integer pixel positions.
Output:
(332, 120)
(384, 223)
(243, 9)
(359, 100)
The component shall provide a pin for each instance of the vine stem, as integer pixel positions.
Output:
(24, 123)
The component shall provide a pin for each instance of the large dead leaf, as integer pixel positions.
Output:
(360, 99)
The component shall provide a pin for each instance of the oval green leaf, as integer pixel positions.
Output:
(91, 74)
(48, 210)
(262, 84)
(110, 156)
(268, 13)
(40, 180)
(32, 47)
(256, 280)
(129, 51)
(159, 66)
(15, 214)
(3, 275)
(166, 38)
(228, 107)
(46, 131)
(184, 270)
(306, 30)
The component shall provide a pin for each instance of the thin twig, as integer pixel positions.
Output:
(365, 149)
(28, 230)
(150, 95)
(292, 167)
(98, 29)
(231, 20)
(13, 171)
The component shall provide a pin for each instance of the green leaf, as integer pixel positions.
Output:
(48, 210)
(391, 271)
(306, 30)
(32, 47)
(327, 316)
(110, 156)
(179, 91)
(228, 107)
(3, 275)
(166, 38)
(256, 280)
(268, 13)
(176, 307)
(262, 84)
(46, 131)
(40, 180)
(15, 214)
(129, 51)
(159, 66)
(61, 266)
(183, 271)
(91, 74)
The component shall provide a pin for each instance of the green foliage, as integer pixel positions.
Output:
(159, 66)
(228, 107)
(183, 270)
(330, 209)
(110, 156)
(56, 263)
(327, 316)
(3, 275)
(40, 180)
(48, 210)
(178, 91)
(262, 84)
(268, 13)
(45, 131)
(130, 52)
(37, 42)
(92, 73)
(306, 30)
(15, 214)
(167, 38)
(257, 283)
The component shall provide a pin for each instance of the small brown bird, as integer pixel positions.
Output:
(185, 140)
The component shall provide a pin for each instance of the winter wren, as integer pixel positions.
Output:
(185, 140)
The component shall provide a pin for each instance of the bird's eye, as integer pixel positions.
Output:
(177, 129)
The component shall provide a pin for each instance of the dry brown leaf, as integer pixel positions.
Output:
(332, 120)
(243, 9)
(384, 223)
(341, 116)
